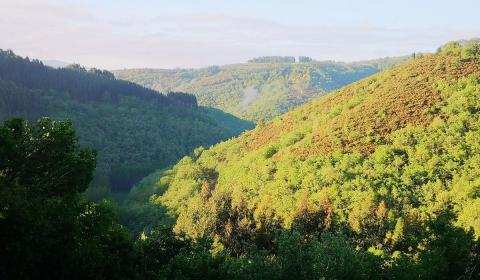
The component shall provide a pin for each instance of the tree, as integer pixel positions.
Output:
(304, 59)
(47, 230)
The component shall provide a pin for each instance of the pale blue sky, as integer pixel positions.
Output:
(392, 13)
(180, 33)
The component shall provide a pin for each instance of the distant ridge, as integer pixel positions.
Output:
(262, 89)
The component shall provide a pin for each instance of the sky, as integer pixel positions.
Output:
(117, 34)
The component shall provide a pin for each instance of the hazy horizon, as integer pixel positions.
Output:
(60, 63)
(189, 34)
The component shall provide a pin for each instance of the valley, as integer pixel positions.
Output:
(135, 130)
(261, 89)
(196, 140)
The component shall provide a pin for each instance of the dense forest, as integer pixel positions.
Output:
(376, 180)
(134, 129)
(262, 89)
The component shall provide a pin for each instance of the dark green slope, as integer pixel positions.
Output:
(133, 128)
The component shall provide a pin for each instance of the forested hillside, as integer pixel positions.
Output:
(133, 128)
(377, 180)
(264, 88)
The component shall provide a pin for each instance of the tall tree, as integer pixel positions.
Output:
(47, 230)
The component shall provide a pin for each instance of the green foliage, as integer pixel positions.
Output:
(407, 209)
(270, 151)
(273, 203)
(262, 90)
(461, 49)
(135, 130)
(48, 230)
(331, 257)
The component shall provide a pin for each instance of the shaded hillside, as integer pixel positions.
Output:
(134, 129)
(388, 165)
(258, 91)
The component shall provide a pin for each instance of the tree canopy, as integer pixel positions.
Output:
(376, 180)
(48, 230)
(262, 89)
(134, 129)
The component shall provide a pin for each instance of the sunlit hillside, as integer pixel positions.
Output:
(259, 91)
(388, 165)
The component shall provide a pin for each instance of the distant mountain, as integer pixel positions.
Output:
(55, 63)
(262, 89)
(134, 129)
(379, 179)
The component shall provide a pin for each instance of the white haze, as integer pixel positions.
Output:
(249, 95)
